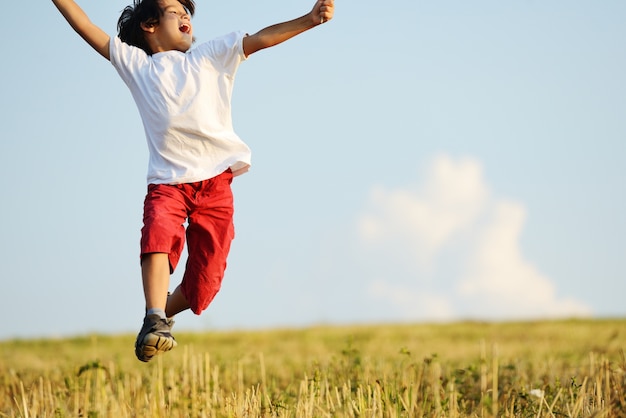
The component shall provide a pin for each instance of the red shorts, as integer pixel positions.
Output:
(207, 207)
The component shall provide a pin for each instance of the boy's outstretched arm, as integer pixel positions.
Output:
(81, 23)
(273, 35)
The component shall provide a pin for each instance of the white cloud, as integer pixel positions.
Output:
(454, 208)
(426, 219)
(506, 284)
(410, 303)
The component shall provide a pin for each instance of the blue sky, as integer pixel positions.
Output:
(412, 161)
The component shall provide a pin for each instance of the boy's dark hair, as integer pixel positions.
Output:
(143, 11)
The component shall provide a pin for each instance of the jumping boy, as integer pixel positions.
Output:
(184, 99)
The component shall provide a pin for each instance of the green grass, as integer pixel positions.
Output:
(533, 369)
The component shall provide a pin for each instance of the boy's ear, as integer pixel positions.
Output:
(147, 26)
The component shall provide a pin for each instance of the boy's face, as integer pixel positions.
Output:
(174, 31)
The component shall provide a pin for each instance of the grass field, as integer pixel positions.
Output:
(534, 369)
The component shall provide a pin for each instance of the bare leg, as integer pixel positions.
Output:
(176, 302)
(155, 272)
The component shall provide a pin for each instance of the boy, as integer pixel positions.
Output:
(183, 96)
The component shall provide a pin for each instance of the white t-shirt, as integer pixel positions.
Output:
(184, 100)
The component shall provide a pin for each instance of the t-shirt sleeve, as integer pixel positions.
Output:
(125, 58)
(225, 52)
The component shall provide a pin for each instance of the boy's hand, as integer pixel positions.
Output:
(323, 11)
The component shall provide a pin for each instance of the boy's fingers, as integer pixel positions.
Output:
(326, 10)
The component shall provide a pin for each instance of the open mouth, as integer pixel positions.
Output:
(185, 28)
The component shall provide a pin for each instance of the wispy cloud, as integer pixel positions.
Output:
(452, 218)
(411, 302)
(426, 217)
(498, 275)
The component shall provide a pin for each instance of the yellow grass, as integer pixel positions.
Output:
(533, 369)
